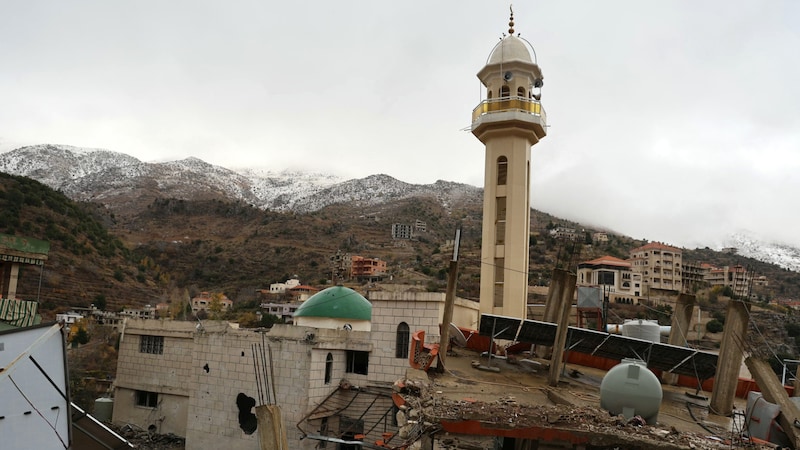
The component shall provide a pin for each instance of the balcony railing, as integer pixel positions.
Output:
(522, 104)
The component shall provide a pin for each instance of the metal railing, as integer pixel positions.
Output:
(522, 104)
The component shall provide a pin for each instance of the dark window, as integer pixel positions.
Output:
(605, 278)
(147, 399)
(502, 170)
(505, 91)
(403, 336)
(328, 368)
(521, 92)
(151, 344)
(357, 362)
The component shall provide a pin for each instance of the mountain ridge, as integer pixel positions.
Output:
(121, 182)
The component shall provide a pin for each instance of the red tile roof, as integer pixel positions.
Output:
(608, 261)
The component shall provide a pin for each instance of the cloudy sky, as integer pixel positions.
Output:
(676, 121)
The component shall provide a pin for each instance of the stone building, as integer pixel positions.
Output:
(332, 381)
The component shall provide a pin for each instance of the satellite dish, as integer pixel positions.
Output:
(508, 76)
(456, 336)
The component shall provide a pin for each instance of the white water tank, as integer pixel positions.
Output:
(631, 389)
(648, 330)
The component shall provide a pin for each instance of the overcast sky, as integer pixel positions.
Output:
(676, 121)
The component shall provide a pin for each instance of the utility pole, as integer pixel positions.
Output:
(449, 304)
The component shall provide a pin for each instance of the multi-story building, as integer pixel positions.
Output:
(738, 278)
(660, 265)
(402, 231)
(693, 277)
(341, 266)
(365, 269)
(615, 276)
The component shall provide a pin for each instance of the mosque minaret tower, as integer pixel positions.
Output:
(509, 121)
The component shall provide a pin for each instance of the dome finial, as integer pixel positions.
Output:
(511, 20)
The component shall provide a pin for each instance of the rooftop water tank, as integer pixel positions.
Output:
(648, 330)
(631, 389)
(103, 407)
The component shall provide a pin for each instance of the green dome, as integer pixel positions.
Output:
(336, 302)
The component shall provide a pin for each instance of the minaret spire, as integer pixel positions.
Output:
(511, 21)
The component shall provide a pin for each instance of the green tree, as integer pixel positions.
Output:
(714, 326)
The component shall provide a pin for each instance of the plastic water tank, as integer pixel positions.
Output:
(103, 407)
(649, 330)
(631, 389)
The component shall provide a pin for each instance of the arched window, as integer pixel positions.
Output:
(403, 339)
(505, 91)
(521, 92)
(502, 170)
(489, 95)
(328, 368)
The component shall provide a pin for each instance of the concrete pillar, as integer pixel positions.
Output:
(566, 281)
(10, 277)
(551, 308)
(796, 384)
(271, 430)
(731, 355)
(774, 392)
(679, 329)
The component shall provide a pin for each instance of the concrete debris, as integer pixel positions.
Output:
(585, 422)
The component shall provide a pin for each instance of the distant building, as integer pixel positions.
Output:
(600, 236)
(564, 233)
(615, 276)
(736, 277)
(204, 301)
(280, 288)
(693, 277)
(283, 310)
(368, 269)
(402, 231)
(420, 226)
(341, 266)
(147, 312)
(660, 265)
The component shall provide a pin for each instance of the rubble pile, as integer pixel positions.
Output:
(424, 408)
(149, 440)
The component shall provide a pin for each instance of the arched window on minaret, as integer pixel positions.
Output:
(521, 92)
(505, 91)
(502, 170)
(488, 95)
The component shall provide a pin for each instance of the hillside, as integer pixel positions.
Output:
(86, 262)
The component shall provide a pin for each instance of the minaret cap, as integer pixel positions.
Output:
(511, 21)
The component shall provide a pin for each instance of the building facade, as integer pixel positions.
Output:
(660, 265)
(614, 276)
(190, 379)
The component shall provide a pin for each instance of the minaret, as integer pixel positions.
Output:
(509, 121)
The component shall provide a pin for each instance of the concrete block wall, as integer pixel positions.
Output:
(165, 374)
(420, 310)
(222, 368)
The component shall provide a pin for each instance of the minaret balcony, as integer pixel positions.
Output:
(524, 111)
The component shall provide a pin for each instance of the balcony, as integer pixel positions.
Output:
(520, 111)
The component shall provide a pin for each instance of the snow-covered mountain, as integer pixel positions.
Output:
(123, 182)
(746, 244)
(116, 179)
